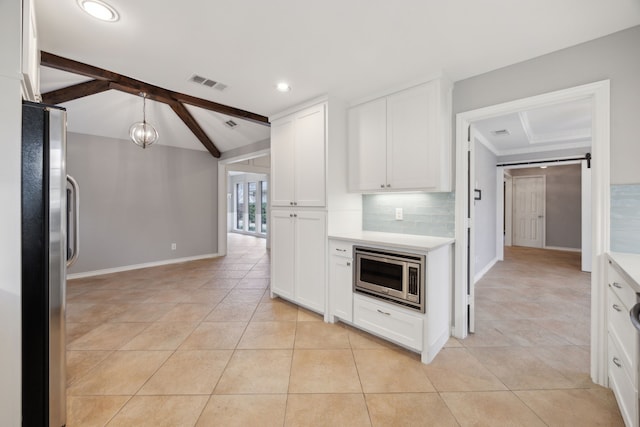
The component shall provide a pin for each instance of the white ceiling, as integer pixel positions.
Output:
(346, 48)
(557, 127)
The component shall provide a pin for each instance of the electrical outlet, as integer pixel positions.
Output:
(174, 246)
(399, 214)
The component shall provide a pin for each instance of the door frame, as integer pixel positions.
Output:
(599, 93)
(543, 237)
(223, 174)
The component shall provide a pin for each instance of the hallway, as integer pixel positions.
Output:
(201, 343)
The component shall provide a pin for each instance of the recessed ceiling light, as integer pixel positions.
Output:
(99, 9)
(283, 87)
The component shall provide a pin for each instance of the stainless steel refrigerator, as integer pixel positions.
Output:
(49, 221)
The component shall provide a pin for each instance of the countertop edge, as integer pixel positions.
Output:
(629, 265)
(437, 242)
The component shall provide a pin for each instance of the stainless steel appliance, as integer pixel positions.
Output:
(394, 276)
(45, 258)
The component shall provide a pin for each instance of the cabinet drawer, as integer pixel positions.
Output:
(623, 387)
(621, 287)
(388, 322)
(623, 332)
(342, 249)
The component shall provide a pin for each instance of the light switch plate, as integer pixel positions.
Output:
(399, 214)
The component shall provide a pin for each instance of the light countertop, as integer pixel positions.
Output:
(394, 240)
(630, 264)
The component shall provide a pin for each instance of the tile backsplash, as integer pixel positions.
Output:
(427, 214)
(625, 218)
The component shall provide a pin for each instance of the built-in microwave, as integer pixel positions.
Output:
(394, 276)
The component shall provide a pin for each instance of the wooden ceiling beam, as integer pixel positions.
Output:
(57, 62)
(193, 125)
(76, 91)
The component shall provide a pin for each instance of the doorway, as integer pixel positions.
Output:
(597, 95)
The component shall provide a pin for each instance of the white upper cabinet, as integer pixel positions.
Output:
(298, 158)
(402, 141)
(30, 53)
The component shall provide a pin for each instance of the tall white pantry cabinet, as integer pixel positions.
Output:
(309, 198)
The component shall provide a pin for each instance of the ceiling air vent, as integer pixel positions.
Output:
(501, 132)
(207, 82)
(231, 124)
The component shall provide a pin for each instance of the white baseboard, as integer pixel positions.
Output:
(559, 248)
(484, 271)
(138, 266)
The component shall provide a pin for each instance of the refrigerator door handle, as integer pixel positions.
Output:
(75, 197)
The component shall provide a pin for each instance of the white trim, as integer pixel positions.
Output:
(484, 141)
(545, 148)
(599, 92)
(560, 248)
(138, 266)
(299, 107)
(485, 270)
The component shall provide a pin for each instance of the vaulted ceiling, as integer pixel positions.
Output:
(349, 49)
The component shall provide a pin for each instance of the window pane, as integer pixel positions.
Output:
(252, 206)
(240, 206)
(263, 208)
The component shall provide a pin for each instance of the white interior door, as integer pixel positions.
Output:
(528, 212)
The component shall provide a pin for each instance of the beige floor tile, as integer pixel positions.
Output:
(453, 342)
(188, 372)
(362, 340)
(160, 411)
(487, 335)
(121, 373)
(92, 313)
(206, 296)
(161, 336)
(305, 315)
(321, 335)
(76, 330)
(252, 296)
(143, 312)
(257, 274)
(254, 283)
(573, 362)
(244, 410)
(93, 411)
(275, 310)
(229, 274)
(256, 372)
(214, 336)
(167, 295)
(409, 409)
(109, 336)
(232, 312)
(592, 407)
(324, 371)
(455, 369)
(187, 313)
(491, 409)
(518, 369)
(220, 284)
(81, 362)
(326, 410)
(402, 372)
(268, 335)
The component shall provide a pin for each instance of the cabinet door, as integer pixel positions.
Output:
(367, 141)
(340, 288)
(282, 253)
(310, 157)
(412, 139)
(311, 250)
(282, 162)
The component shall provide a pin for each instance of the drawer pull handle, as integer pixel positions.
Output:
(616, 362)
(341, 250)
(617, 285)
(616, 307)
(384, 312)
(348, 264)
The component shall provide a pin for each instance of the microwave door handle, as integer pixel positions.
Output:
(75, 199)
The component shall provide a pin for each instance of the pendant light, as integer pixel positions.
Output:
(142, 133)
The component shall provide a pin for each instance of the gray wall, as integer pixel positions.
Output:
(485, 209)
(563, 204)
(135, 203)
(613, 57)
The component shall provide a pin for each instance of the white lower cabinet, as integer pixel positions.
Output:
(341, 281)
(298, 254)
(388, 321)
(622, 360)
